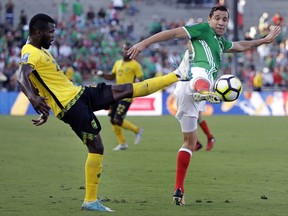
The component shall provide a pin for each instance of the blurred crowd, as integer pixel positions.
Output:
(91, 40)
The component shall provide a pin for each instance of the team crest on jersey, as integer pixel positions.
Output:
(25, 57)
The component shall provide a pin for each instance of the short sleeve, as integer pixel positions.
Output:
(226, 44)
(196, 31)
(29, 56)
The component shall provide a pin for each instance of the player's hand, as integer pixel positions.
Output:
(100, 73)
(274, 32)
(40, 120)
(136, 49)
(40, 105)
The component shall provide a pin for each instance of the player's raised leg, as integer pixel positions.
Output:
(201, 85)
(149, 86)
(202, 95)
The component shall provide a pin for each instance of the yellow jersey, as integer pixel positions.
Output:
(258, 80)
(48, 78)
(127, 71)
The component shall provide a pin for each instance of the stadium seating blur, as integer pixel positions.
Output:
(133, 23)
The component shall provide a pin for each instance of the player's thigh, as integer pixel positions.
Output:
(200, 73)
(99, 97)
(122, 91)
(185, 102)
(82, 120)
(112, 110)
(188, 123)
(122, 109)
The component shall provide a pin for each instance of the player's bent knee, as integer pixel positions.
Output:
(122, 91)
(118, 121)
(112, 121)
(95, 146)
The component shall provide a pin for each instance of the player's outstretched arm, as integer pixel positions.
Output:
(161, 36)
(241, 46)
(274, 32)
(107, 76)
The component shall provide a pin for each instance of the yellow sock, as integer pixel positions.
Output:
(129, 126)
(93, 168)
(152, 85)
(119, 134)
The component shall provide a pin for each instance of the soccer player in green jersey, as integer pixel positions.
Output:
(125, 70)
(48, 88)
(207, 44)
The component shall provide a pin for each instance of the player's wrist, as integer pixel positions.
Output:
(146, 43)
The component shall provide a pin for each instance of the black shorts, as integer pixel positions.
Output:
(119, 109)
(81, 117)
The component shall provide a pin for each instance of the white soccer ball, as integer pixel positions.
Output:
(228, 87)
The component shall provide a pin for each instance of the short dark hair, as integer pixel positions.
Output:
(221, 8)
(39, 22)
(127, 44)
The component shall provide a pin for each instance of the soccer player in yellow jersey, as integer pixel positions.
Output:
(125, 70)
(47, 88)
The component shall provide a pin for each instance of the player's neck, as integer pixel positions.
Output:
(34, 43)
(126, 59)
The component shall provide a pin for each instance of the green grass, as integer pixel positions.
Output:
(42, 169)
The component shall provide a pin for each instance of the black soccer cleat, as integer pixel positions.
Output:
(178, 197)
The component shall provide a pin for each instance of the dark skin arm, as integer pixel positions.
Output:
(38, 102)
(108, 76)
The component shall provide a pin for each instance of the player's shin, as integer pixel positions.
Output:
(183, 160)
(93, 168)
(152, 85)
(129, 126)
(119, 134)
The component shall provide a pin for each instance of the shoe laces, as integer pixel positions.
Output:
(99, 204)
(174, 63)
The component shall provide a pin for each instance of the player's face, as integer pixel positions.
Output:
(48, 36)
(125, 50)
(219, 22)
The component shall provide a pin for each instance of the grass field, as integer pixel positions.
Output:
(42, 169)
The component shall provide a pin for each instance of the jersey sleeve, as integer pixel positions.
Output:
(196, 31)
(226, 44)
(114, 69)
(29, 56)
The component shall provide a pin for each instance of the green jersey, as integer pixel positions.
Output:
(207, 47)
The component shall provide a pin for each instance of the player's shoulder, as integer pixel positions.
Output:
(26, 51)
(135, 61)
(118, 62)
(28, 47)
(204, 25)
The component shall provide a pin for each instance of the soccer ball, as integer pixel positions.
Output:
(228, 87)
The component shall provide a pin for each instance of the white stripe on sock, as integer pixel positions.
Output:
(186, 150)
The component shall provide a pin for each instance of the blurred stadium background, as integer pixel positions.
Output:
(90, 38)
